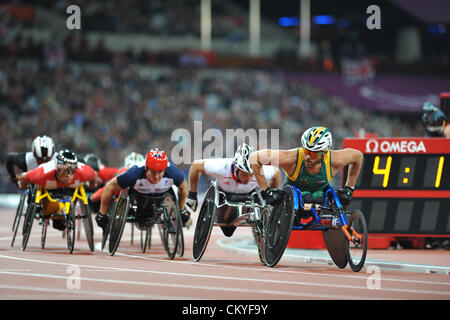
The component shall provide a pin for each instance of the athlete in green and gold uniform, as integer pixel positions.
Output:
(310, 167)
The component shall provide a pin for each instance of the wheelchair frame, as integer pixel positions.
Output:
(252, 218)
(338, 231)
(66, 211)
(160, 217)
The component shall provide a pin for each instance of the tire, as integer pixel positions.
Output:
(28, 223)
(357, 250)
(44, 231)
(258, 229)
(88, 226)
(118, 221)
(19, 213)
(105, 233)
(71, 222)
(205, 222)
(146, 239)
(279, 227)
(171, 230)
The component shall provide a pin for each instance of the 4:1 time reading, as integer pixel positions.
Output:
(405, 172)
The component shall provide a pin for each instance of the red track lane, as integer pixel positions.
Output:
(53, 273)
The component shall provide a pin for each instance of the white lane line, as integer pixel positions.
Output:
(90, 292)
(253, 280)
(277, 270)
(198, 287)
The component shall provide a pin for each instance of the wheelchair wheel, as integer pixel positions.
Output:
(171, 230)
(357, 249)
(279, 226)
(105, 233)
(118, 220)
(44, 231)
(28, 222)
(258, 234)
(180, 247)
(146, 239)
(71, 222)
(19, 213)
(88, 226)
(205, 222)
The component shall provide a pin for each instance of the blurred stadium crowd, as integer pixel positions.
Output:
(92, 100)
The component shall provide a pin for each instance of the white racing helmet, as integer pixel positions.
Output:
(132, 159)
(43, 147)
(242, 158)
(317, 139)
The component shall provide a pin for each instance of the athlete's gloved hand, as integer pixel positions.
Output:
(345, 195)
(191, 200)
(185, 217)
(272, 196)
(102, 220)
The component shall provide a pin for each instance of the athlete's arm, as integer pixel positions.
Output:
(274, 182)
(111, 187)
(182, 194)
(347, 157)
(285, 159)
(197, 168)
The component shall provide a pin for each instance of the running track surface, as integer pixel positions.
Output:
(53, 273)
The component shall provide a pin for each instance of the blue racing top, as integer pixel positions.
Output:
(136, 179)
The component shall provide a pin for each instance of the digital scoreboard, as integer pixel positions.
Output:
(404, 185)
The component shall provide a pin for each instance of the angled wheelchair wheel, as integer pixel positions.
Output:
(88, 226)
(19, 213)
(258, 229)
(118, 220)
(357, 247)
(71, 223)
(279, 226)
(171, 230)
(146, 239)
(29, 218)
(180, 246)
(44, 231)
(107, 230)
(205, 222)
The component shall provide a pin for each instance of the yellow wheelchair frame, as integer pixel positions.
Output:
(66, 210)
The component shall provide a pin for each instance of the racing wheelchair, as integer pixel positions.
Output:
(61, 204)
(25, 197)
(144, 211)
(344, 232)
(228, 211)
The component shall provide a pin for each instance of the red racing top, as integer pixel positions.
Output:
(105, 173)
(45, 176)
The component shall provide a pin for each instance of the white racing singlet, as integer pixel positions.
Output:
(222, 170)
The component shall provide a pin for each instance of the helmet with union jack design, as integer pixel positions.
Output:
(317, 139)
(156, 160)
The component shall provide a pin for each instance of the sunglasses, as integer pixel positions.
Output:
(66, 170)
(312, 154)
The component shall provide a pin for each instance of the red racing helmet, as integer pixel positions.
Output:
(156, 160)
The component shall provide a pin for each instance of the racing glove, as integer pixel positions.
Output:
(102, 220)
(191, 201)
(272, 196)
(185, 217)
(345, 195)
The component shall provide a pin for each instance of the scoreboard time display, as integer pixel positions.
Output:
(404, 185)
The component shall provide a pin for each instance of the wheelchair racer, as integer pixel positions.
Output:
(42, 150)
(310, 167)
(65, 171)
(154, 176)
(129, 161)
(233, 175)
(435, 121)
